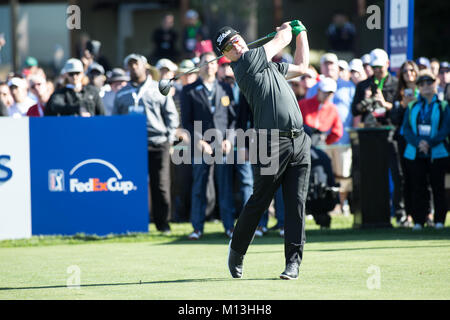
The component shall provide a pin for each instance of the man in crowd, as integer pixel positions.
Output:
(357, 73)
(19, 92)
(74, 98)
(5, 97)
(320, 114)
(116, 79)
(40, 89)
(209, 102)
(141, 96)
(373, 100)
(164, 40)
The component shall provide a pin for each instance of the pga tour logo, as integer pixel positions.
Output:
(113, 184)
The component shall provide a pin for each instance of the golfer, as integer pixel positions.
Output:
(274, 106)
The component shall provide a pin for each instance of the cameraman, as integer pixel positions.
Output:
(375, 95)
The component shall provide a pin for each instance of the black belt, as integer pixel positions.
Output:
(291, 133)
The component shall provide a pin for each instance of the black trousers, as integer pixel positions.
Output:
(159, 172)
(424, 172)
(397, 173)
(293, 175)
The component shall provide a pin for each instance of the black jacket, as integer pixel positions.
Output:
(195, 106)
(66, 102)
(389, 90)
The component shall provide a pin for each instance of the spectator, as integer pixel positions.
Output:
(307, 81)
(423, 63)
(444, 80)
(39, 88)
(366, 64)
(357, 73)
(321, 115)
(31, 65)
(406, 93)
(141, 96)
(344, 71)
(341, 33)
(426, 126)
(185, 66)
(3, 109)
(434, 66)
(373, 100)
(96, 75)
(167, 70)
(74, 98)
(117, 79)
(193, 32)
(5, 95)
(164, 40)
(341, 152)
(19, 92)
(210, 101)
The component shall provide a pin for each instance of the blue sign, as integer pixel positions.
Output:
(399, 31)
(89, 175)
(5, 172)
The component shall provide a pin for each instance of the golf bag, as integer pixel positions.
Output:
(323, 192)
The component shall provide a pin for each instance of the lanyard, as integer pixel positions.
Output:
(379, 83)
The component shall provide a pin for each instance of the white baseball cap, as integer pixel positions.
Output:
(327, 85)
(343, 64)
(166, 63)
(356, 65)
(73, 65)
(329, 57)
(134, 56)
(18, 82)
(378, 57)
(365, 59)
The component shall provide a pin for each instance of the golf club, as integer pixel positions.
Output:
(165, 85)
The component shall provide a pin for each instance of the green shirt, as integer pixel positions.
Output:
(271, 99)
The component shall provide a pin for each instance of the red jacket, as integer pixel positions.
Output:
(36, 111)
(325, 120)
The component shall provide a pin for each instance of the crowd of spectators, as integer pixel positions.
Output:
(341, 96)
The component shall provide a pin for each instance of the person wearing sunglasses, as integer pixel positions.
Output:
(426, 127)
(74, 98)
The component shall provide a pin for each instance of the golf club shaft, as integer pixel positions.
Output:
(270, 35)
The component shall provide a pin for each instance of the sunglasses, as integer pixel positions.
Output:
(73, 74)
(428, 82)
(230, 44)
(408, 70)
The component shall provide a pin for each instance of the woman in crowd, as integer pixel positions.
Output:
(426, 126)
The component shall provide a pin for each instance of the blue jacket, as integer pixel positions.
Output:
(440, 129)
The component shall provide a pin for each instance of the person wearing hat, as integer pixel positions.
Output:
(357, 73)
(192, 33)
(344, 70)
(22, 102)
(340, 152)
(141, 96)
(40, 89)
(96, 75)
(116, 79)
(444, 81)
(426, 127)
(185, 66)
(320, 114)
(74, 98)
(274, 107)
(423, 63)
(366, 64)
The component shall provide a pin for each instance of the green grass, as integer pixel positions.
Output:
(412, 265)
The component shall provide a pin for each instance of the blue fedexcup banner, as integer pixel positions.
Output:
(89, 175)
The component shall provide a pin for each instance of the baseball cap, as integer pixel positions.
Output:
(222, 36)
(422, 61)
(356, 65)
(96, 66)
(186, 65)
(134, 56)
(365, 59)
(424, 75)
(327, 85)
(329, 57)
(378, 58)
(343, 64)
(223, 60)
(73, 65)
(31, 62)
(166, 63)
(117, 74)
(444, 65)
(191, 14)
(18, 82)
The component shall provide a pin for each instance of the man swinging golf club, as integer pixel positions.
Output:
(274, 106)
